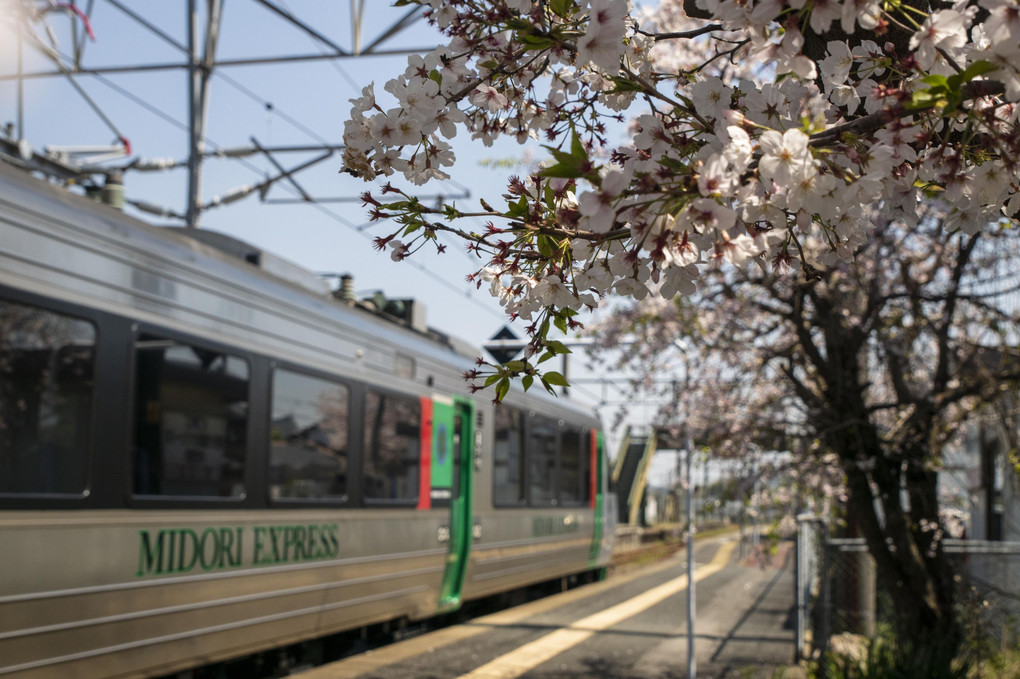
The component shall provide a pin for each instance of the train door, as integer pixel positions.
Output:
(452, 486)
(597, 498)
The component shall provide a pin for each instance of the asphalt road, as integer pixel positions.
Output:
(631, 626)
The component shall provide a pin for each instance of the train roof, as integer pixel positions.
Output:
(204, 282)
(172, 252)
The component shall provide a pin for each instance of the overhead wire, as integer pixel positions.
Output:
(339, 69)
(58, 55)
(318, 206)
(356, 87)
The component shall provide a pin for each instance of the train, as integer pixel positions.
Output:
(207, 452)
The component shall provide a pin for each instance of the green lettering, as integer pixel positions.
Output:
(260, 538)
(150, 553)
(188, 538)
(214, 560)
(235, 559)
(312, 543)
(173, 549)
(226, 541)
(275, 535)
(288, 541)
(181, 550)
(333, 540)
(298, 541)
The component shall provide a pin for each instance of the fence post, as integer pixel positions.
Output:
(802, 580)
(825, 618)
(798, 589)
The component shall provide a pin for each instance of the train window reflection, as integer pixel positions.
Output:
(190, 420)
(309, 438)
(542, 448)
(573, 467)
(508, 458)
(47, 370)
(392, 447)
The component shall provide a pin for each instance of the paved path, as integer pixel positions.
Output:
(631, 626)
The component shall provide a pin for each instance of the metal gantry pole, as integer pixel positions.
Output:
(194, 124)
(357, 11)
(692, 663)
(200, 68)
(21, 89)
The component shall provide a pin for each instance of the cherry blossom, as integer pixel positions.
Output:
(785, 157)
(602, 42)
(942, 30)
(861, 378)
(688, 136)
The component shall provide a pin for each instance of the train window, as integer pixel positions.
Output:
(47, 369)
(392, 447)
(573, 467)
(191, 420)
(309, 438)
(542, 447)
(508, 458)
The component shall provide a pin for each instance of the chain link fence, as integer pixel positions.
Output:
(989, 593)
(837, 595)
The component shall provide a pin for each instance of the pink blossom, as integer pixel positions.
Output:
(602, 43)
(488, 97)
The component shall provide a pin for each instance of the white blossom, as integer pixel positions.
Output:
(711, 97)
(785, 157)
(739, 146)
(945, 29)
(602, 43)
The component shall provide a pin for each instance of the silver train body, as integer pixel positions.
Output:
(200, 459)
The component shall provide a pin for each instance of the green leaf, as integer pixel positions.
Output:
(577, 149)
(568, 165)
(399, 205)
(625, 85)
(549, 196)
(557, 347)
(546, 246)
(923, 99)
(936, 81)
(535, 42)
(561, 171)
(491, 379)
(518, 210)
(545, 357)
(515, 366)
(519, 24)
(527, 381)
(502, 388)
(562, 8)
(977, 68)
(555, 378)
